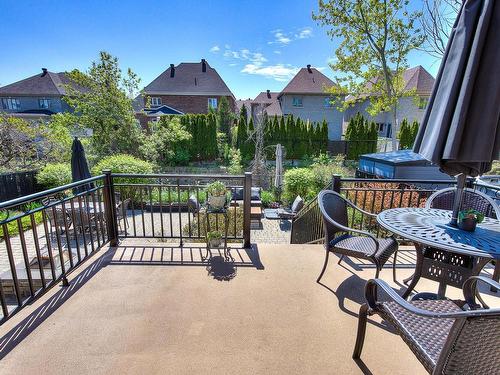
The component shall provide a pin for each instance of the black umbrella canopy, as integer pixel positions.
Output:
(460, 131)
(79, 167)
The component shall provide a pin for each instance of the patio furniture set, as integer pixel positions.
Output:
(447, 337)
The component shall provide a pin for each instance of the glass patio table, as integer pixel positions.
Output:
(445, 253)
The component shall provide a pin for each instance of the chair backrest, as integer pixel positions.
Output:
(297, 205)
(472, 199)
(472, 347)
(333, 206)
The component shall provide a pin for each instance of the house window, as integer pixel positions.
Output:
(155, 102)
(297, 101)
(212, 103)
(422, 103)
(11, 103)
(44, 103)
(328, 102)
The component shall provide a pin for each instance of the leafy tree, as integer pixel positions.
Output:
(31, 144)
(168, 144)
(102, 101)
(224, 117)
(375, 40)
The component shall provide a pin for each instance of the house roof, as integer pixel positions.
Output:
(418, 79)
(243, 102)
(163, 110)
(308, 81)
(266, 97)
(189, 79)
(45, 83)
(274, 109)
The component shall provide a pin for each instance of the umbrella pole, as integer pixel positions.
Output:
(458, 198)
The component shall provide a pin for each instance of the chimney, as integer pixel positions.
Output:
(172, 70)
(309, 68)
(44, 71)
(203, 65)
(269, 94)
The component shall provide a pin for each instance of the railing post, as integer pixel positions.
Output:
(247, 202)
(109, 207)
(336, 183)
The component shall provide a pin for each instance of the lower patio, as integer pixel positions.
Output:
(146, 308)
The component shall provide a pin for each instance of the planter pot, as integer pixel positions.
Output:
(468, 224)
(217, 202)
(215, 242)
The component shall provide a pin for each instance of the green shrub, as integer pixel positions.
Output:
(54, 175)
(216, 221)
(324, 167)
(267, 197)
(298, 181)
(123, 163)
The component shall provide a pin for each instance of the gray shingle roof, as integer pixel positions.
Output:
(263, 97)
(308, 82)
(189, 79)
(419, 79)
(50, 84)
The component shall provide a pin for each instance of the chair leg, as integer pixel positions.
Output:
(360, 339)
(496, 274)
(377, 272)
(324, 266)
(394, 266)
(340, 260)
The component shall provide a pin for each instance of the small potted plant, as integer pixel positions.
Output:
(214, 238)
(468, 219)
(217, 195)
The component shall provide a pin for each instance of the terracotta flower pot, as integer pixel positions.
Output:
(467, 224)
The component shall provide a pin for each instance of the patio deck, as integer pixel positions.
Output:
(147, 309)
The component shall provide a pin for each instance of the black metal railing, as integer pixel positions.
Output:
(372, 195)
(167, 206)
(47, 235)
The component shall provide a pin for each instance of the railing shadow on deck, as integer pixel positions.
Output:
(167, 255)
(23, 329)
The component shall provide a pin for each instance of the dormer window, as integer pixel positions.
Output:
(44, 103)
(297, 101)
(155, 102)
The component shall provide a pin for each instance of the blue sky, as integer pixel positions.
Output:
(254, 45)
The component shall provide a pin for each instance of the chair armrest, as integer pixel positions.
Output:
(371, 294)
(352, 230)
(470, 290)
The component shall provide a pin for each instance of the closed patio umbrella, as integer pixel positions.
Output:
(79, 167)
(278, 178)
(460, 131)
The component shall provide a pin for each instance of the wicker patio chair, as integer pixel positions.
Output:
(472, 199)
(341, 239)
(447, 337)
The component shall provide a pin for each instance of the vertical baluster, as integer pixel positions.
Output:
(133, 195)
(13, 271)
(48, 239)
(101, 211)
(97, 220)
(160, 192)
(25, 256)
(82, 225)
(58, 239)
(36, 242)
(170, 210)
(141, 187)
(3, 302)
(150, 189)
(179, 209)
(75, 230)
(198, 210)
(66, 233)
(189, 214)
(88, 222)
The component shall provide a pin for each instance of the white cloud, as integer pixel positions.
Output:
(285, 38)
(278, 72)
(215, 49)
(305, 33)
(277, 52)
(246, 55)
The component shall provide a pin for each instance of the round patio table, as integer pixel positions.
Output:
(445, 253)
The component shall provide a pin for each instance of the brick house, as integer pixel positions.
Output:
(185, 88)
(306, 96)
(416, 79)
(267, 101)
(37, 96)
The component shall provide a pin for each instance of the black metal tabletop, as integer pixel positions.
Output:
(431, 227)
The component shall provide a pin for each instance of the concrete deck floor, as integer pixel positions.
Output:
(148, 310)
